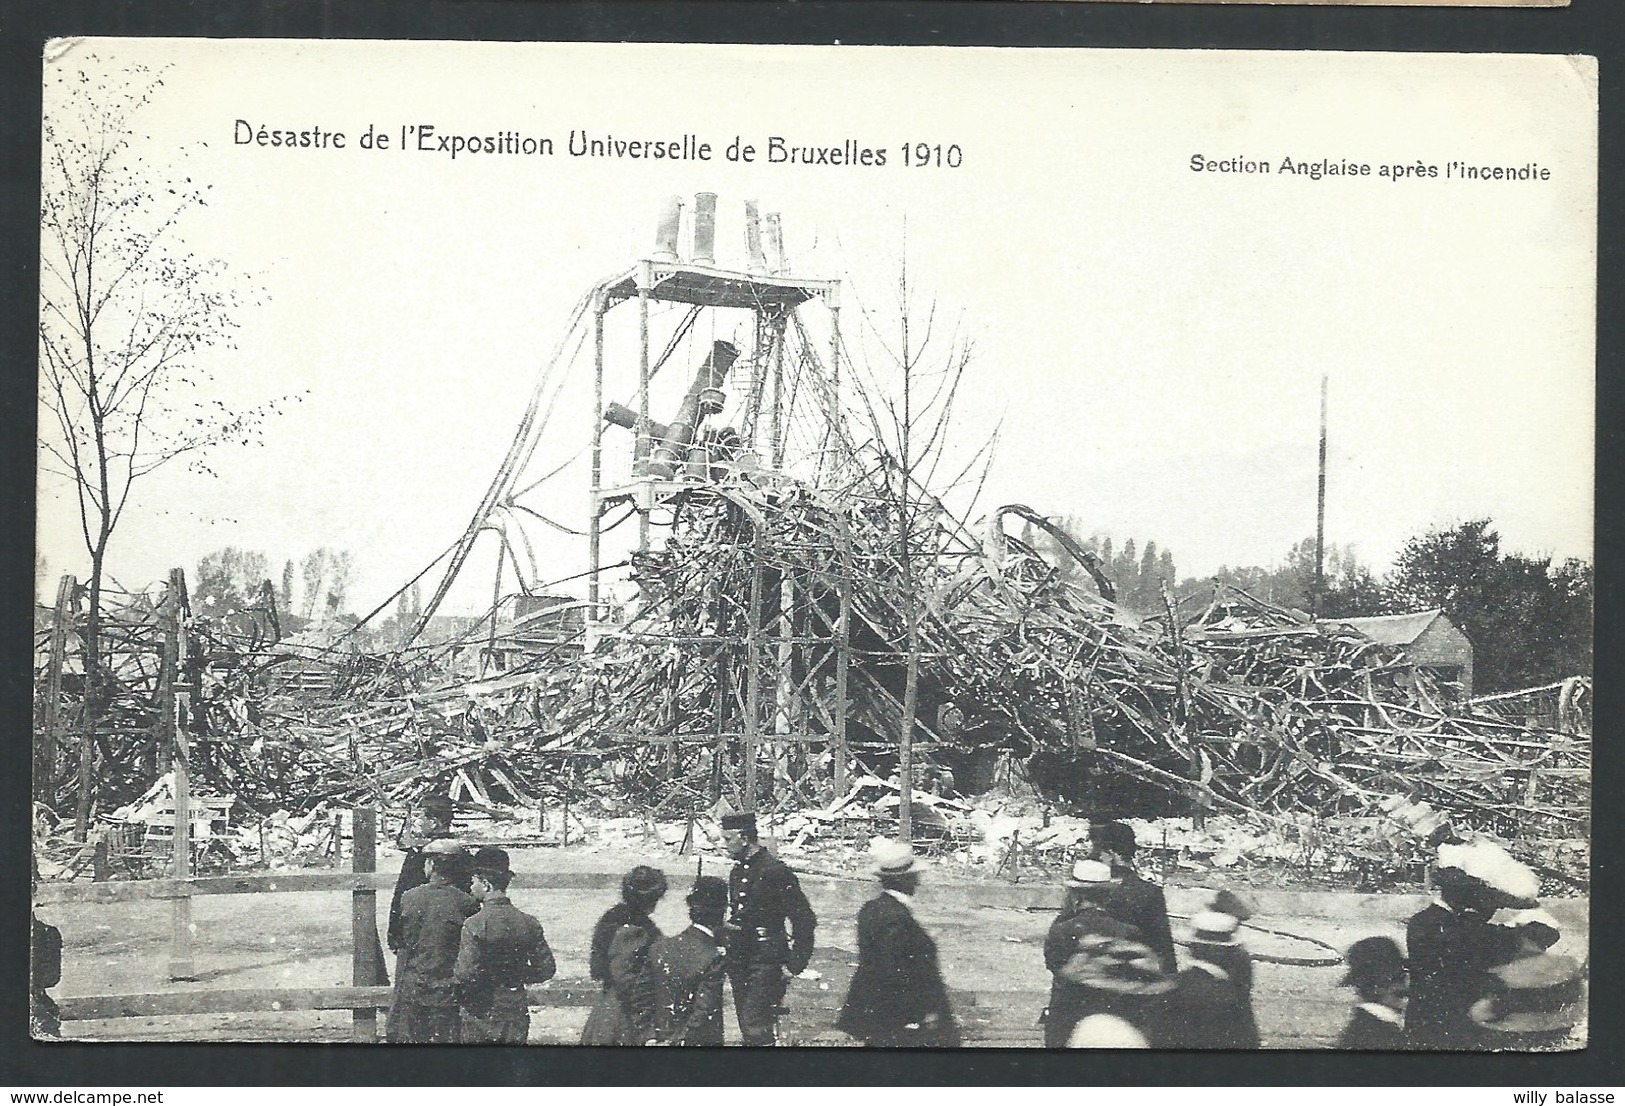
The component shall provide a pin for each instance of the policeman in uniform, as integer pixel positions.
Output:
(424, 1007)
(763, 896)
(502, 949)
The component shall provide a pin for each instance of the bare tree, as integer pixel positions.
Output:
(129, 319)
(915, 410)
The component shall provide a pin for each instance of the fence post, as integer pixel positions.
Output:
(45, 751)
(174, 645)
(368, 956)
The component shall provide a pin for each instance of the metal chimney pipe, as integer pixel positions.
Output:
(776, 262)
(705, 228)
(671, 448)
(671, 216)
(753, 239)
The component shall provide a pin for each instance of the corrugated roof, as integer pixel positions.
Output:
(1392, 629)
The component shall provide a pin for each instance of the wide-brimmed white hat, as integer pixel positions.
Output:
(1089, 873)
(1509, 882)
(892, 858)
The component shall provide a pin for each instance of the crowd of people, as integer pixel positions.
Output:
(1476, 972)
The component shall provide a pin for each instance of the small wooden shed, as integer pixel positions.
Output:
(1429, 640)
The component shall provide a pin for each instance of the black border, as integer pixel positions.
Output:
(1586, 27)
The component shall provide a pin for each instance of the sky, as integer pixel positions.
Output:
(1148, 340)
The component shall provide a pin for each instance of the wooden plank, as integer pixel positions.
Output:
(366, 954)
(135, 890)
(254, 1000)
(573, 993)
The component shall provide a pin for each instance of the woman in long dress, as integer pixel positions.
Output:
(620, 944)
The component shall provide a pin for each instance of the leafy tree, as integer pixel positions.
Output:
(326, 575)
(130, 322)
(1529, 624)
(228, 580)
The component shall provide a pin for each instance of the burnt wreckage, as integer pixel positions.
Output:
(752, 643)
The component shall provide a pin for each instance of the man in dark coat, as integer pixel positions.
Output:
(1132, 900)
(684, 973)
(433, 824)
(1212, 1007)
(423, 1009)
(897, 998)
(1092, 957)
(1378, 975)
(502, 949)
(1452, 945)
(763, 896)
(44, 972)
(1207, 1010)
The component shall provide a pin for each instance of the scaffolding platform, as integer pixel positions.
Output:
(702, 286)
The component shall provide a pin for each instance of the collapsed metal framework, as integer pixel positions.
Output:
(761, 658)
(770, 638)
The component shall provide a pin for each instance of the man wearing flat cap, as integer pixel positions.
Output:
(423, 1009)
(763, 897)
(433, 823)
(897, 998)
(684, 973)
(502, 949)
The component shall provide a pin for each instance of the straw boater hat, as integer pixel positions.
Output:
(443, 846)
(892, 858)
(1489, 869)
(1106, 1031)
(1538, 994)
(1212, 927)
(1089, 873)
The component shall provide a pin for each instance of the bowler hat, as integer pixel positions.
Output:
(709, 893)
(1538, 994)
(742, 821)
(438, 805)
(490, 860)
(1237, 905)
(892, 858)
(1374, 961)
(1118, 837)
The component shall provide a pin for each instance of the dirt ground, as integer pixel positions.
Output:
(989, 933)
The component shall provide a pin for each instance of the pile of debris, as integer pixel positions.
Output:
(767, 599)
